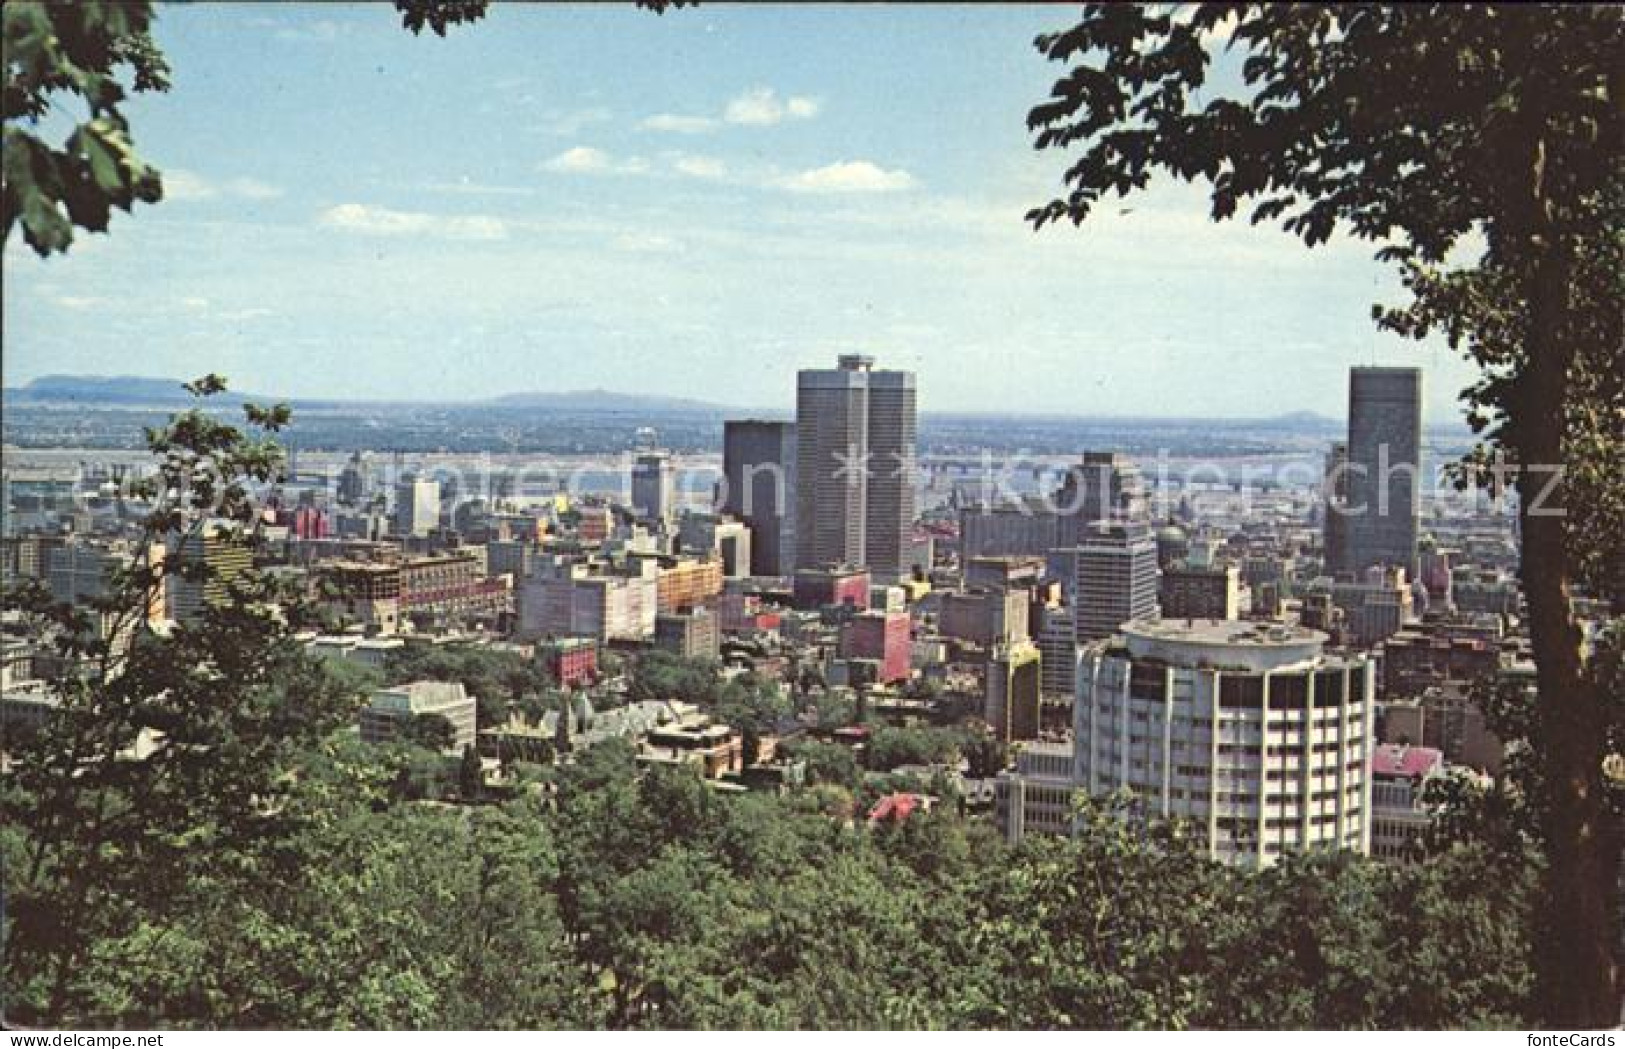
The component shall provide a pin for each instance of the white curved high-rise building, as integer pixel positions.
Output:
(1250, 731)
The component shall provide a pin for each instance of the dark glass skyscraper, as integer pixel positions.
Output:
(1333, 506)
(654, 485)
(1384, 468)
(759, 469)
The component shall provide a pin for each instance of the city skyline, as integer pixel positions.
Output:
(761, 190)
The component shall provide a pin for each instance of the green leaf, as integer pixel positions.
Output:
(104, 157)
(44, 227)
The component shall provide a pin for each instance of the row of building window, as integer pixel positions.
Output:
(1113, 700)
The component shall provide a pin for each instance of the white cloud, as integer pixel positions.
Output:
(195, 302)
(701, 167)
(850, 176)
(384, 222)
(184, 185)
(79, 302)
(585, 160)
(755, 107)
(180, 184)
(678, 124)
(761, 106)
(579, 160)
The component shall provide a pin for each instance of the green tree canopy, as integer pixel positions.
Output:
(168, 752)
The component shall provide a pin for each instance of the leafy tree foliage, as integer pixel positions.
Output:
(563, 727)
(96, 54)
(432, 732)
(659, 675)
(750, 702)
(1414, 125)
(440, 15)
(744, 701)
(470, 776)
(826, 762)
(495, 679)
(890, 747)
(167, 753)
(618, 899)
(984, 754)
(834, 709)
(417, 772)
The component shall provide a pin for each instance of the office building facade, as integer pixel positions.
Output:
(710, 535)
(1057, 642)
(856, 431)
(654, 485)
(759, 488)
(417, 506)
(580, 602)
(213, 557)
(1200, 593)
(1116, 578)
(1011, 528)
(1036, 796)
(1102, 486)
(691, 635)
(893, 439)
(884, 638)
(1334, 509)
(1384, 468)
(985, 617)
(1011, 687)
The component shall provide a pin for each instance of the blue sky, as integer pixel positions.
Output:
(695, 204)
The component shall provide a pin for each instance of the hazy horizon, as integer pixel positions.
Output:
(674, 403)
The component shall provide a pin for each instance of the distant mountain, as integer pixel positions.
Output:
(1314, 422)
(131, 390)
(149, 392)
